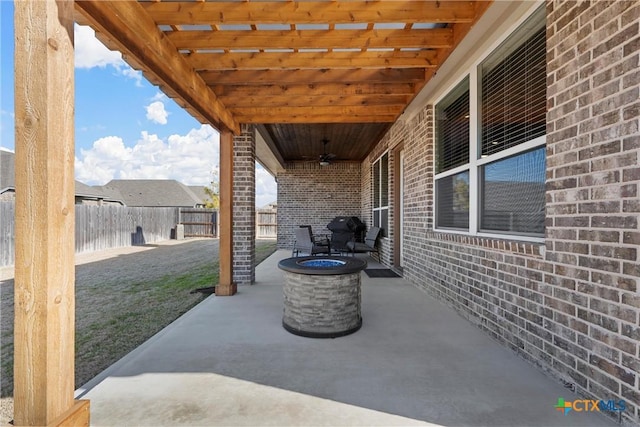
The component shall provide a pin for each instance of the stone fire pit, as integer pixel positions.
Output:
(322, 295)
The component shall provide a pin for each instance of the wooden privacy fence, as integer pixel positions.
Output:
(114, 226)
(100, 227)
(266, 223)
(7, 214)
(199, 222)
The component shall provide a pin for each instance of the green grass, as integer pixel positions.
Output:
(112, 322)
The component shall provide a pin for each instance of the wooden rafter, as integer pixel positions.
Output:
(301, 60)
(285, 62)
(313, 39)
(459, 31)
(295, 117)
(298, 90)
(234, 102)
(312, 12)
(269, 77)
(374, 110)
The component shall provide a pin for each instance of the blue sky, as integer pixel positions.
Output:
(125, 127)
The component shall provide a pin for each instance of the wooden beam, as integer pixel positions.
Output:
(373, 110)
(136, 35)
(301, 77)
(316, 89)
(312, 39)
(312, 60)
(226, 286)
(293, 118)
(235, 103)
(313, 12)
(459, 30)
(44, 327)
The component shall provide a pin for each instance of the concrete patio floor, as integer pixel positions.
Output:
(228, 361)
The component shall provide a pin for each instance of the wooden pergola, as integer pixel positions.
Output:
(298, 71)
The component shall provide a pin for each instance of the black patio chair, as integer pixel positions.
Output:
(318, 240)
(304, 244)
(369, 244)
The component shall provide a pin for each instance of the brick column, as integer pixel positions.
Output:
(244, 206)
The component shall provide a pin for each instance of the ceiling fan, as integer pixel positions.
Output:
(325, 158)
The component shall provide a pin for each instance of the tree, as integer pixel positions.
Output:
(213, 191)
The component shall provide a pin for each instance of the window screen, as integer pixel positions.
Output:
(452, 127)
(513, 91)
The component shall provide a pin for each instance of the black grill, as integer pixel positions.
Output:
(345, 229)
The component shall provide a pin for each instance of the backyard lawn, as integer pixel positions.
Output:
(122, 301)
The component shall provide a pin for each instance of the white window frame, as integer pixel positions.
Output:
(377, 211)
(475, 161)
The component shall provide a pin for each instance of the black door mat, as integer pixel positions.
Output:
(380, 272)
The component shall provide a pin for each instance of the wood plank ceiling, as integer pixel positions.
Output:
(301, 70)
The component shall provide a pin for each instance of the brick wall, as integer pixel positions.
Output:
(593, 205)
(571, 306)
(244, 206)
(310, 194)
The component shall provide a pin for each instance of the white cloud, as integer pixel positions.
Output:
(187, 158)
(130, 73)
(159, 96)
(192, 159)
(156, 112)
(90, 53)
(266, 187)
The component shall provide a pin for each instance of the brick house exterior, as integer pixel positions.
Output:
(310, 194)
(569, 302)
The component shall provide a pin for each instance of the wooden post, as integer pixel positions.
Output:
(226, 286)
(44, 265)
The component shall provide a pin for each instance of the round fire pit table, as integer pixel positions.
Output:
(322, 295)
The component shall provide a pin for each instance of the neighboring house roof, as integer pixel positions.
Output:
(7, 171)
(8, 181)
(198, 190)
(84, 190)
(272, 205)
(153, 192)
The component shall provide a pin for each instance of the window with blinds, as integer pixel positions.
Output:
(513, 93)
(496, 187)
(452, 127)
(381, 194)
